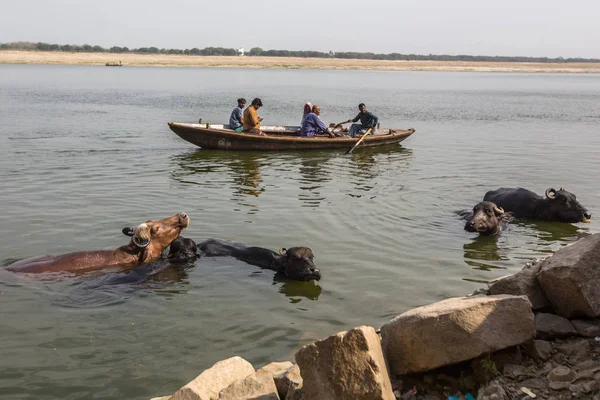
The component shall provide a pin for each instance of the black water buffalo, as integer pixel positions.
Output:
(487, 219)
(295, 263)
(183, 249)
(558, 205)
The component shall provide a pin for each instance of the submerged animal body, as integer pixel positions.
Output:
(148, 240)
(487, 219)
(295, 263)
(558, 205)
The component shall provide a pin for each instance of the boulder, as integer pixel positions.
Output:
(209, 383)
(539, 349)
(259, 385)
(295, 392)
(346, 366)
(286, 379)
(571, 278)
(587, 327)
(276, 368)
(455, 330)
(523, 283)
(550, 326)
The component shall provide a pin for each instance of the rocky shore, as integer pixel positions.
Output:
(533, 334)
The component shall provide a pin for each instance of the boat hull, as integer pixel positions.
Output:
(225, 139)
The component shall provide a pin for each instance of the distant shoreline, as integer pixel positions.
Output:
(192, 61)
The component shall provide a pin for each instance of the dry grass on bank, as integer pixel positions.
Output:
(166, 60)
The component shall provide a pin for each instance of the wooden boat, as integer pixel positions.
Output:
(109, 64)
(212, 136)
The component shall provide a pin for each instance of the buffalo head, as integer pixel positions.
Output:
(563, 206)
(297, 263)
(183, 249)
(155, 236)
(487, 219)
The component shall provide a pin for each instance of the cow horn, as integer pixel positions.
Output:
(498, 210)
(141, 237)
(282, 251)
(551, 194)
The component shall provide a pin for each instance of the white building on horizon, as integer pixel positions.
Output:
(240, 51)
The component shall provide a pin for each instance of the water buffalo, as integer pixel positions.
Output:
(183, 249)
(558, 205)
(147, 243)
(295, 263)
(487, 218)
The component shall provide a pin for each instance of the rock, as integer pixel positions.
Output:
(571, 278)
(259, 385)
(550, 326)
(523, 283)
(587, 327)
(275, 368)
(346, 366)
(161, 398)
(209, 383)
(493, 391)
(560, 377)
(455, 330)
(295, 392)
(285, 379)
(539, 349)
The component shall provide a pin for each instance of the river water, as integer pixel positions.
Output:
(87, 151)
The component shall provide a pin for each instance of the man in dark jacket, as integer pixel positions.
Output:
(367, 120)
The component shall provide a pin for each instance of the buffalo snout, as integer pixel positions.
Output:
(486, 219)
(297, 263)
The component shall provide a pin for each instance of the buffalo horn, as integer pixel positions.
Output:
(551, 194)
(498, 210)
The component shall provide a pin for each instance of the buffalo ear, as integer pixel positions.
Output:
(128, 231)
(551, 194)
(282, 251)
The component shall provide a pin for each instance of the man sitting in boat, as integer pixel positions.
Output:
(367, 120)
(312, 124)
(251, 118)
(236, 121)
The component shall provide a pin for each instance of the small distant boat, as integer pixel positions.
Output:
(212, 136)
(108, 64)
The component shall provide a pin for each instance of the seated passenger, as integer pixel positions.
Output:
(236, 121)
(312, 124)
(251, 118)
(308, 107)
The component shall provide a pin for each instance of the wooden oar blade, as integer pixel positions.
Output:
(359, 141)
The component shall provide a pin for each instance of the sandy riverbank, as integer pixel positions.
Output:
(165, 60)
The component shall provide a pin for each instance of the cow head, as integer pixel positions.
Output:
(487, 219)
(297, 263)
(183, 249)
(563, 206)
(153, 237)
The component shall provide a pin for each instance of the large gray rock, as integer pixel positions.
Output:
(455, 330)
(284, 380)
(587, 327)
(550, 326)
(522, 283)
(259, 385)
(571, 278)
(209, 383)
(346, 366)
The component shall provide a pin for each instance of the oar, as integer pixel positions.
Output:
(359, 141)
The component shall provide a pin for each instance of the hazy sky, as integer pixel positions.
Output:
(476, 27)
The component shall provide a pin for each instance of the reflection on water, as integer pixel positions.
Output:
(294, 289)
(486, 252)
(481, 251)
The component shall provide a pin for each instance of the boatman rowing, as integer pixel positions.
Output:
(251, 118)
(367, 120)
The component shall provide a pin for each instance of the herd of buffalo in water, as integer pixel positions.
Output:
(150, 239)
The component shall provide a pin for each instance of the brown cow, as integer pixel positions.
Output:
(147, 243)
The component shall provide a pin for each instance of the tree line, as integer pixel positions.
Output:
(258, 52)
